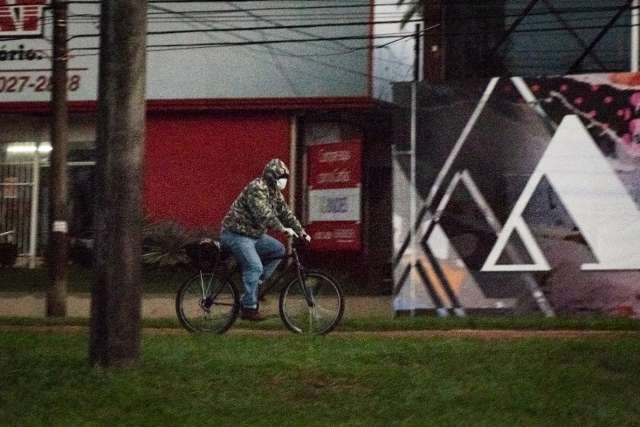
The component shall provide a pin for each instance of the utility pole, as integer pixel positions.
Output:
(117, 294)
(58, 182)
(417, 76)
(434, 42)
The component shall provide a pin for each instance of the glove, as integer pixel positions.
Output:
(289, 232)
(306, 237)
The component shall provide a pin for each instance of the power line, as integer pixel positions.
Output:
(318, 39)
(359, 37)
(257, 28)
(272, 22)
(265, 42)
(271, 49)
(285, 52)
(460, 17)
(192, 46)
(248, 42)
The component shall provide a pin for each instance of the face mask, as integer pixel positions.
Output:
(282, 182)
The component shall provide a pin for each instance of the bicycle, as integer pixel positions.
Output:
(312, 302)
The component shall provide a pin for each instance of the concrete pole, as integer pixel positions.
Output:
(635, 36)
(293, 170)
(58, 186)
(35, 194)
(116, 302)
(413, 202)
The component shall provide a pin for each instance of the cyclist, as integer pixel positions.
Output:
(260, 206)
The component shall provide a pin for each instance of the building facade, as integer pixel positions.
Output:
(229, 86)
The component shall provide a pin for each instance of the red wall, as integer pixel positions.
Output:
(196, 163)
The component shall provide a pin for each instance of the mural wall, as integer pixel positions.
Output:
(527, 196)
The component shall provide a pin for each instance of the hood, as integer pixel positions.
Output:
(274, 170)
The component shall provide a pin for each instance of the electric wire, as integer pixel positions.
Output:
(397, 37)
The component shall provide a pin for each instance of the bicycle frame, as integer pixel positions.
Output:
(302, 277)
(300, 273)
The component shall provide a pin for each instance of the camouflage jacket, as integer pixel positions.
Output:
(261, 206)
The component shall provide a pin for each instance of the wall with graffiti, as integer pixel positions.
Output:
(527, 196)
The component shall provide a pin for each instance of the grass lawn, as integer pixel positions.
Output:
(375, 323)
(322, 381)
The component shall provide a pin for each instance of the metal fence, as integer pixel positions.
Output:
(19, 186)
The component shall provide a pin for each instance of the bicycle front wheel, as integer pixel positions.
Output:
(206, 303)
(315, 309)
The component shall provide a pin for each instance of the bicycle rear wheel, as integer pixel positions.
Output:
(206, 303)
(325, 311)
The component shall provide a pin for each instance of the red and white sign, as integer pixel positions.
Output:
(21, 17)
(335, 236)
(335, 174)
(335, 165)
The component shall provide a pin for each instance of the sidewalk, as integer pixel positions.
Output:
(163, 305)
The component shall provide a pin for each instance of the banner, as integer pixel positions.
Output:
(528, 197)
(334, 196)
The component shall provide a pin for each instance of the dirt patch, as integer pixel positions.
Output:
(481, 334)
(157, 306)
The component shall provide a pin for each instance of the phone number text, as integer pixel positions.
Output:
(17, 84)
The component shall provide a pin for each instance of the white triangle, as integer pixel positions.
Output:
(592, 194)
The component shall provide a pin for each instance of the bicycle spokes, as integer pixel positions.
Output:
(314, 306)
(207, 303)
(202, 285)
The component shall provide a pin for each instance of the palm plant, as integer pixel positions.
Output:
(164, 243)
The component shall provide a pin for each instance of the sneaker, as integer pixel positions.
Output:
(251, 314)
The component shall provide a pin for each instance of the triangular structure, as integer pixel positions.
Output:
(592, 194)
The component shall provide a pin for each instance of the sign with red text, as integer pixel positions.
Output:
(183, 64)
(334, 195)
(26, 49)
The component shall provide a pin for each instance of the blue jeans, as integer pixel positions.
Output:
(250, 253)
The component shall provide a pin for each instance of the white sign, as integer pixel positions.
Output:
(342, 204)
(192, 53)
(60, 227)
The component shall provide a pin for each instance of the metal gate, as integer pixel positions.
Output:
(19, 188)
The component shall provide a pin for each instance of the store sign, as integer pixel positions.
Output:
(334, 196)
(22, 18)
(182, 63)
(340, 204)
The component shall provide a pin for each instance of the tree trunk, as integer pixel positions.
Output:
(57, 254)
(116, 296)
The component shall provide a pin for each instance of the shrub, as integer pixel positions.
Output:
(164, 243)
